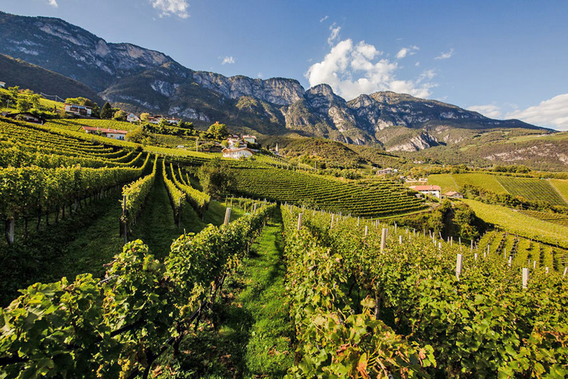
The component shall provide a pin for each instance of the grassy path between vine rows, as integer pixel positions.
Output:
(156, 226)
(248, 333)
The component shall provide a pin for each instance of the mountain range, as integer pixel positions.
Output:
(138, 79)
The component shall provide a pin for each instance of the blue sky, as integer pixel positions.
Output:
(503, 58)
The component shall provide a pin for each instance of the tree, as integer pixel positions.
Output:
(34, 99)
(144, 117)
(96, 111)
(23, 104)
(106, 111)
(216, 178)
(137, 135)
(218, 131)
(120, 115)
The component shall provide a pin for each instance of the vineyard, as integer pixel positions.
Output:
(294, 273)
(531, 189)
(381, 198)
(371, 302)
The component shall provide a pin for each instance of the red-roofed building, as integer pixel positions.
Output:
(110, 133)
(428, 190)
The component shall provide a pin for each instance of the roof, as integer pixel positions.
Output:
(426, 188)
(452, 193)
(104, 130)
(225, 151)
(78, 106)
(247, 136)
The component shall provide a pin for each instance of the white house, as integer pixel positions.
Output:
(132, 118)
(110, 133)
(237, 153)
(78, 110)
(428, 190)
(2, 84)
(235, 143)
(249, 139)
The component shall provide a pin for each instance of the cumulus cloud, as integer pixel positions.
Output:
(171, 7)
(552, 113)
(334, 34)
(324, 18)
(353, 69)
(228, 60)
(53, 3)
(446, 55)
(406, 51)
(488, 110)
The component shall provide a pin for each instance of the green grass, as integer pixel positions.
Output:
(518, 223)
(248, 333)
(486, 181)
(532, 189)
(446, 181)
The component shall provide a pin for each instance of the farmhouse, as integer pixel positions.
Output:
(428, 190)
(78, 110)
(24, 116)
(132, 118)
(249, 139)
(2, 84)
(110, 133)
(453, 195)
(237, 153)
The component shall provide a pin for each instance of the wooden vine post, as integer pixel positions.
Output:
(124, 220)
(383, 240)
(10, 230)
(459, 265)
(366, 230)
(525, 278)
(300, 221)
(227, 216)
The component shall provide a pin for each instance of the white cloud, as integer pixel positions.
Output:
(417, 64)
(353, 69)
(228, 60)
(259, 75)
(488, 110)
(407, 51)
(446, 55)
(53, 3)
(552, 113)
(334, 34)
(172, 7)
(324, 18)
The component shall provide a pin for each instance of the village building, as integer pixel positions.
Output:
(428, 190)
(24, 116)
(2, 84)
(238, 153)
(249, 139)
(235, 143)
(110, 133)
(132, 118)
(77, 110)
(387, 171)
(453, 195)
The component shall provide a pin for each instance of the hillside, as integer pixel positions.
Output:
(16, 72)
(138, 79)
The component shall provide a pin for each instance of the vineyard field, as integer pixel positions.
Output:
(521, 224)
(532, 189)
(382, 198)
(446, 181)
(486, 181)
(561, 186)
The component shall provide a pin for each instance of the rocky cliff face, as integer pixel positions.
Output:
(278, 91)
(139, 79)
